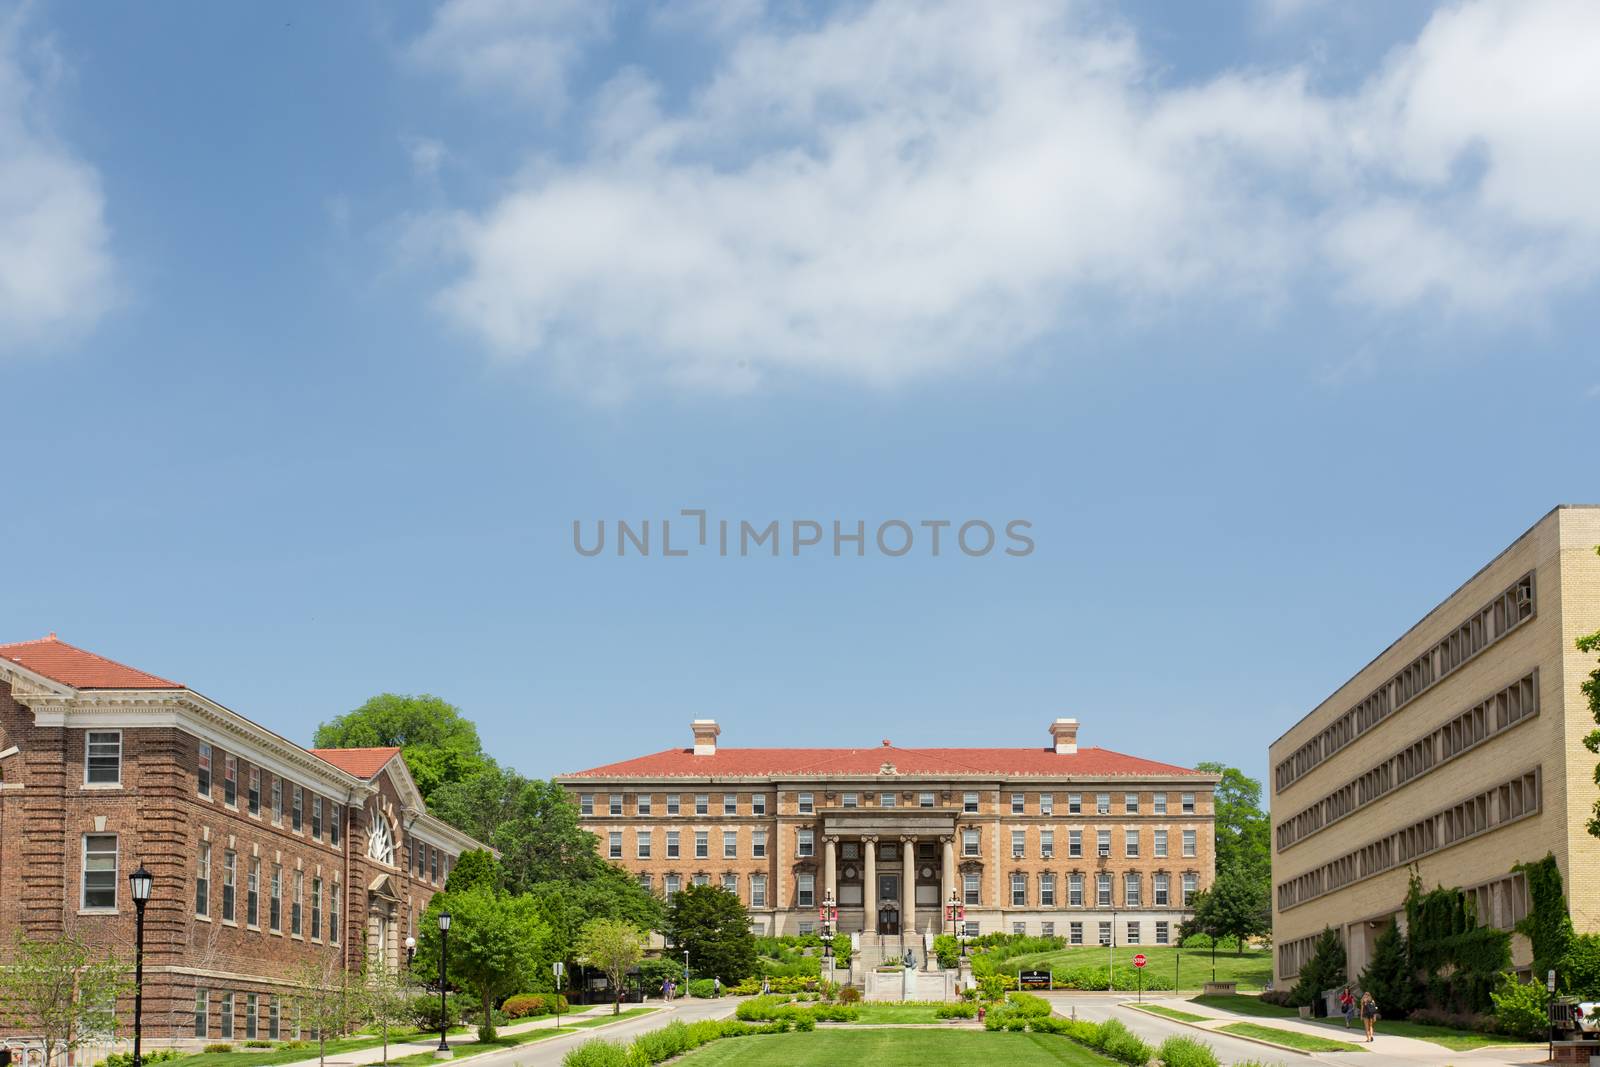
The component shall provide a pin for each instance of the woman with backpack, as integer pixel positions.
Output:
(1369, 1014)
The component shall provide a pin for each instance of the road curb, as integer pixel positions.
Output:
(1225, 1033)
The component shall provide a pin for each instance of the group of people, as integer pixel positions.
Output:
(669, 987)
(1367, 1007)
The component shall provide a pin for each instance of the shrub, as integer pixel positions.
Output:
(1186, 1052)
(703, 988)
(294, 1045)
(1455, 1020)
(1125, 1048)
(598, 1053)
(125, 1059)
(531, 1005)
(957, 1010)
(1283, 998)
(1028, 1005)
(1521, 1009)
(247, 1044)
(948, 951)
(221, 1046)
(849, 995)
(424, 1012)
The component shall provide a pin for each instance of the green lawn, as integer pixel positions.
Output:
(505, 1041)
(1292, 1038)
(1172, 1013)
(893, 1048)
(267, 1057)
(1248, 1006)
(1454, 1040)
(889, 1012)
(1252, 970)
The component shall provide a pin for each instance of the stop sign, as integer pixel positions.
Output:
(1139, 960)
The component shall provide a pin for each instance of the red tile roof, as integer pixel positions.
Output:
(364, 763)
(70, 665)
(760, 762)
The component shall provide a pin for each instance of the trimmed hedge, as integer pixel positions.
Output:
(672, 1040)
(1186, 1052)
(769, 1009)
(531, 1005)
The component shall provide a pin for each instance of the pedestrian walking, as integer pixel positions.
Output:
(1347, 1005)
(716, 986)
(766, 986)
(1369, 1014)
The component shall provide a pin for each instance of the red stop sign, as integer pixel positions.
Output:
(1139, 960)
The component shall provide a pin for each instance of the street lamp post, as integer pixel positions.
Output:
(1111, 955)
(685, 972)
(411, 950)
(140, 882)
(443, 1051)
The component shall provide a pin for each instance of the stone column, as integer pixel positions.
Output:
(947, 885)
(869, 884)
(908, 885)
(830, 868)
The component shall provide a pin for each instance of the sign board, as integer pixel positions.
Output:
(1550, 981)
(1139, 960)
(558, 968)
(1033, 979)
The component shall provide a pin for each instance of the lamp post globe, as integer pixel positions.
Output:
(443, 1051)
(140, 884)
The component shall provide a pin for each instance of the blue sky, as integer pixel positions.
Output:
(321, 324)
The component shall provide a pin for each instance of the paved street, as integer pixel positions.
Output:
(548, 1053)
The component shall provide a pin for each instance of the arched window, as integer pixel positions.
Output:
(380, 840)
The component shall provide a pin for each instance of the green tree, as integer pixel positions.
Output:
(712, 925)
(1388, 977)
(384, 998)
(54, 990)
(1243, 830)
(499, 945)
(322, 1000)
(1237, 906)
(474, 868)
(440, 745)
(1326, 969)
(614, 947)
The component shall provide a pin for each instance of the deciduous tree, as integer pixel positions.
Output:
(53, 989)
(614, 947)
(440, 745)
(499, 945)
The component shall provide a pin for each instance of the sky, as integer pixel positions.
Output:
(322, 325)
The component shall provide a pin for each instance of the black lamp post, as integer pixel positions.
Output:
(140, 883)
(443, 1051)
(411, 950)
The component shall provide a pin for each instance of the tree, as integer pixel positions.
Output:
(498, 946)
(53, 989)
(1326, 969)
(1237, 905)
(384, 999)
(1388, 977)
(440, 745)
(1243, 830)
(614, 947)
(713, 926)
(474, 868)
(321, 1000)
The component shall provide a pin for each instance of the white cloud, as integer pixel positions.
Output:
(55, 259)
(905, 188)
(427, 156)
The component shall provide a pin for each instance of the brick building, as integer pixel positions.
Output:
(1084, 844)
(265, 854)
(1459, 750)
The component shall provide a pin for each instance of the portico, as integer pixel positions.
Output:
(901, 895)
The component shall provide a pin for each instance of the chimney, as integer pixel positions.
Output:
(1065, 734)
(705, 736)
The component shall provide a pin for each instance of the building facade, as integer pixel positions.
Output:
(266, 856)
(1458, 751)
(1085, 844)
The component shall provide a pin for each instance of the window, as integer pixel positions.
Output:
(1018, 803)
(849, 850)
(296, 809)
(251, 1009)
(254, 796)
(316, 909)
(702, 803)
(1130, 844)
(643, 838)
(615, 806)
(1074, 933)
(1158, 802)
(1133, 933)
(336, 823)
(1132, 891)
(100, 872)
(1188, 842)
(925, 800)
(848, 800)
(1160, 892)
(1163, 937)
(1160, 844)
(227, 1016)
(586, 804)
(1188, 803)
(102, 757)
(671, 887)
(969, 842)
(380, 839)
(672, 803)
(1102, 842)
(886, 800)
(202, 778)
(1075, 890)
(433, 864)
(758, 804)
(1102, 804)
(230, 867)
(730, 844)
(969, 803)
(1047, 929)
(296, 903)
(803, 844)
(275, 905)
(730, 803)
(969, 888)
(672, 844)
(333, 914)
(970, 928)
(807, 927)
(1018, 843)
(730, 883)
(202, 1012)
(1074, 803)
(1047, 893)
(803, 801)
(1019, 928)
(1047, 804)
(758, 844)
(758, 890)
(1102, 890)
(230, 781)
(274, 1019)
(1130, 803)
(1074, 842)
(1019, 890)
(615, 845)
(805, 890)
(316, 818)
(1105, 933)
(202, 880)
(643, 803)
(277, 802)
(644, 881)
(1189, 880)
(702, 844)
(1047, 843)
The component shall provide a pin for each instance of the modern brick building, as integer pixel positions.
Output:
(265, 855)
(1084, 844)
(1459, 749)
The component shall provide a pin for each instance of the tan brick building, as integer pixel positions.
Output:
(1459, 749)
(1084, 844)
(265, 854)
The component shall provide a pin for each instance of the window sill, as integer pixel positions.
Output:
(202, 918)
(98, 911)
(102, 785)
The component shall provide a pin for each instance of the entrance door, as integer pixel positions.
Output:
(889, 904)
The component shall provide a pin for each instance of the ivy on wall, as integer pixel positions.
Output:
(1591, 689)
(1547, 926)
(1458, 960)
